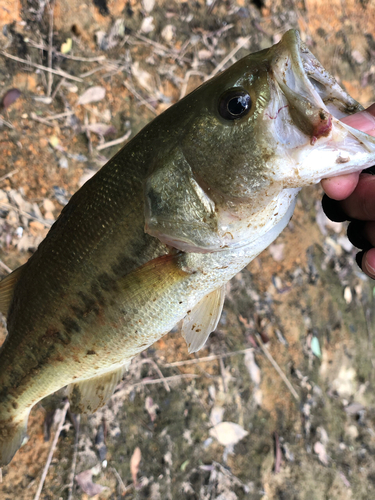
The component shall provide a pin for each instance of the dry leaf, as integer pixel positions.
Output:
(148, 5)
(134, 463)
(204, 54)
(93, 94)
(151, 408)
(320, 450)
(168, 32)
(144, 78)
(228, 433)
(216, 415)
(9, 97)
(84, 479)
(277, 251)
(252, 367)
(101, 129)
(147, 25)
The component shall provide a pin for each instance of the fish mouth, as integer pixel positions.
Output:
(308, 97)
(304, 79)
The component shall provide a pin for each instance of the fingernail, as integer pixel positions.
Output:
(369, 269)
(358, 259)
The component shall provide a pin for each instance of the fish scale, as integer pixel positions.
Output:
(155, 235)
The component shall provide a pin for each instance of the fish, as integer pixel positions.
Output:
(152, 239)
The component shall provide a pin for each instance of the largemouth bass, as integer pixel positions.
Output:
(154, 236)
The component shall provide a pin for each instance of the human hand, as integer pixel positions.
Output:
(352, 197)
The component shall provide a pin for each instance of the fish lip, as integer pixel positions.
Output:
(298, 69)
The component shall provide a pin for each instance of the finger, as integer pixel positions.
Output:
(366, 261)
(361, 203)
(339, 188)
(333, 209)
(369, 232)
(364, 120)
(357, 235)
(362, 234)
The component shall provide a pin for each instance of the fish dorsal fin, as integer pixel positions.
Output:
(89, 395)
(6, 289)
(203, 319)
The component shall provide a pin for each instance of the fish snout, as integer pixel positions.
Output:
(309, 129)
(313, 94)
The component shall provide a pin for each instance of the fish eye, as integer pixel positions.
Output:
(234, 103)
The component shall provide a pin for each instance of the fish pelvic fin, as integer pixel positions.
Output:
(12, 433)
(89, 395)
(7, 287)
(203, 319)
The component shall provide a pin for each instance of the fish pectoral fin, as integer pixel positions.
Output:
(12, 433)
(7, 287)
(89, 395)
(203, 319)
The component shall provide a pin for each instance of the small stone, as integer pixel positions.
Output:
(352, 431)
(36, 225)
(147, 25)
(168, 32)
(48, 205)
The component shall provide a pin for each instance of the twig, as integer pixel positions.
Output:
(87, 131)
(92, 71)
(51, 451)
(9, 174)
(159, 372)
(74, 461)
(139, 97)
(50, 41)
(186, 80)
(222, 372)
(5, 267)
(38, 119)
(68, 56)
(124, 488)
(278, 456)
(155, 44)
(39, 66)
(213, 357)
(7, 124)
(57, 88)
(128, 388)
(59, 115)
(166, 379)
(220, 66)
(26, 214)
(114, 142)
(277, 367)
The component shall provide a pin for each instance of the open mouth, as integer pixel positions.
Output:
(303, 75)
(314, 105)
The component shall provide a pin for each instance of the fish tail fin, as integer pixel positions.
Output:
(12, 433)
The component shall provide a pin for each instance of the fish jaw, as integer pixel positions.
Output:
(304, 116)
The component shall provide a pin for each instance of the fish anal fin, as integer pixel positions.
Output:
(12, 434)
(89, 395)
(7, 287)
(203, 319)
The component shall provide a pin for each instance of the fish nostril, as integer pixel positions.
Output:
(319, 87)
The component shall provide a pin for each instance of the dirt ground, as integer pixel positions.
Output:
(280, 404)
